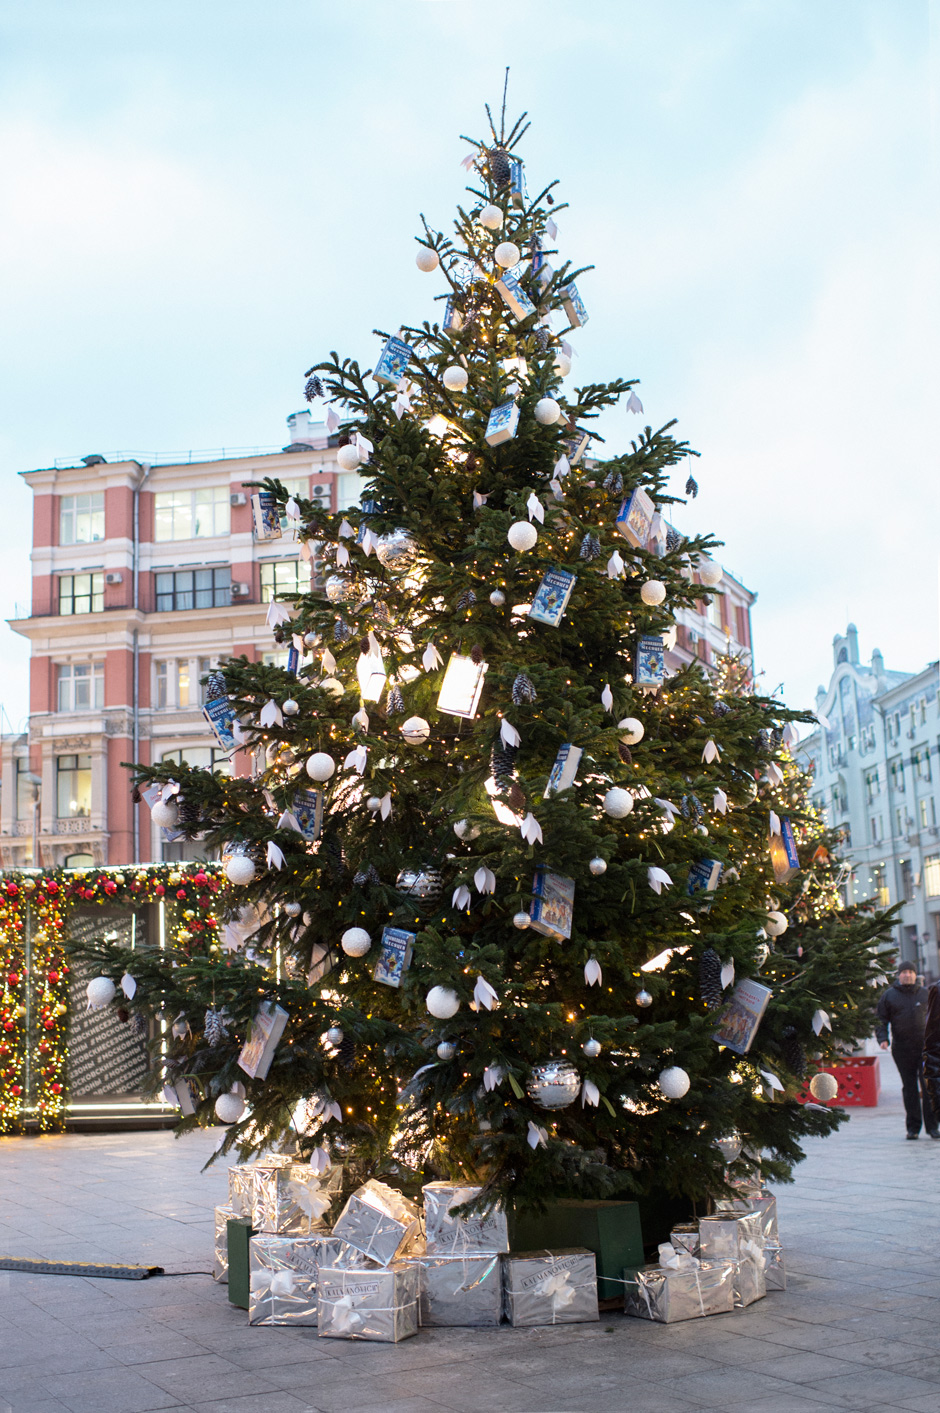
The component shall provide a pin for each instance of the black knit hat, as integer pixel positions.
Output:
(907, 966)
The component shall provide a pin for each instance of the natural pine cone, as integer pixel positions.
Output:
(709, 978)
(500, 170)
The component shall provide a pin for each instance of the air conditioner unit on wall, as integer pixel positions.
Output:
(238, 498)
(114, 578)
(241, 591)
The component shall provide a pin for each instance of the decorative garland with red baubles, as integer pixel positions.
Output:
(34, 973)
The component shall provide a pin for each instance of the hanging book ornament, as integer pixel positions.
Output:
(650, 668)
(515, 297)
(552, 908)
(266, 516)
(502, 424)
(636, 518)
(307, 809)
(393, 362)
(551, 596)
(574, 305)
(564, 770)
(394, 958)
(783, 856)
(462, 686)
(266, 1031)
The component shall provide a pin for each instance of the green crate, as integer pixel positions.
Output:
(238, 1235)
(610, 1229)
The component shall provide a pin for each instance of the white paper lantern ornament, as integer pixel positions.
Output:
(644, 999)
(497, 598)
(507, 254)
(292, 909)
(455, 378)
(335, 1035)
(415, 730)
(547, 411)
(522, 920)
(442, 1002)
(347, 457)
(618, 802)
(427, 260)
(522, 536)
(290, 707)
(491, 218)
(239, 869)
(229, 1107)
(100, 991)
(320, 766)
(554, 1084)
(355, 941)
(674, 1082)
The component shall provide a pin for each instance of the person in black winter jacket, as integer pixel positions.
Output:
(902, 1009)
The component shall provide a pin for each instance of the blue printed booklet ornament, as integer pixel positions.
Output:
(635, 520)
(293, 660)
(307, 809)
(516, 182)
(738, 1022)
(452, 322)
(394, 956)
(650, 668)
(574, 305)
(704, 876)
(783, 856)
(564, 770)
(551, 596)
(266, 514)
(393, 362)
(515, 297)
(502, 424)
(576, 445)
(221, 718)
(552, 910)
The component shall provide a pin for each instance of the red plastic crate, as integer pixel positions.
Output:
(859, 1080)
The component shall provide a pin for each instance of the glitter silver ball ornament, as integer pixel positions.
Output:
(335, 1035)
(446, 1051)
(292, 909)
(643, 998)
(598, 866)
(423, 884)
(591, 1048)
(290, 707)
(311, 640)
(729, 1146)
(396, 551)
(554, 1084)
(497, 598)
(522, 921)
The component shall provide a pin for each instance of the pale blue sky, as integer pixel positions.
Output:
(197, 201)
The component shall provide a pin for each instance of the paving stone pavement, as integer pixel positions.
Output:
(858, 1327)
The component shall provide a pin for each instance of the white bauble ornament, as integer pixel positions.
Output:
(446, 1051)
(522, 920)
(710, 573)
(335, 1035)
(633, 730)
(507, 254)
(644, 999)
(100, 992)
(347, 457)
(427, 260)
(776, 924)
(373, 804)
(823, 1087)
(455, 378)
(292, 909)
(547, 411)
(491, 218)
(333, 685)
(618, 802)
(674, 1082)
(320, 766)
(497, 598)
(554, 1084)
(562, 365)
(166, 815)
(653, 592)
(591, 1048)
(290, 707)
(522, 535)
(355, 941)
(598, 866)
(442, 1002)
(229, 1107)
(465, 830)
(239, 869)
(415, 730)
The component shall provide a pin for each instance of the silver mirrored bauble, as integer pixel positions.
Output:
(337, 588)
(554, 1084)
(311, 640)
(446, 1051)
(396, 551)
(292, 909)
(591, 1048)
(423, 884)
(497, 598)
(522, 920)
(643, 998)
(335, 1035)
(729, 1146)
(598, 866)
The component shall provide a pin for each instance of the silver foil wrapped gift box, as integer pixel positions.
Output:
(763, 1202)
(686, 1293)
(775, 1271)
(220, 1261)
(550, 1287)
(685, 1238)
(291, 1199)
(284, 1271)
(380, 1304)
(380, 1222)
(729, 1236)
(448, 1234)
(459, 1290)
(748, 1281)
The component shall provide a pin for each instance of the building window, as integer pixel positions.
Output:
(899, 821)
(24, 790)
(284, 576)
(205, 757)
(713, 611)
(194, 588)
(897, 776)
(920, 760)
(874, 827)
(172, 683)
(81, 593)
(73, 786)
(907, 881)
(932, 876)
(79, 861)
(349, 487)
(81, 518)
(79, 686)
(879, 886)
(872, 785)
(276, 659)
(928, 813)
(191, 515)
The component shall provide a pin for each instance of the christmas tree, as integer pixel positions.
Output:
(499, 869)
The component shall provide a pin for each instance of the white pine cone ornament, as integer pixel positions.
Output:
(215, 687)
(673, 540)
(341, 631)
(691, 487)
(139, 1025)
(313, 388)
(215, 1027)
(793, 1053)
(366, 875)
(396, 701)
(503, 763)
(467, 599)
(523, 690)
(613, 482)
(187, 813)
(590, 547)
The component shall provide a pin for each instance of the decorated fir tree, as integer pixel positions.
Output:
(501, 871)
